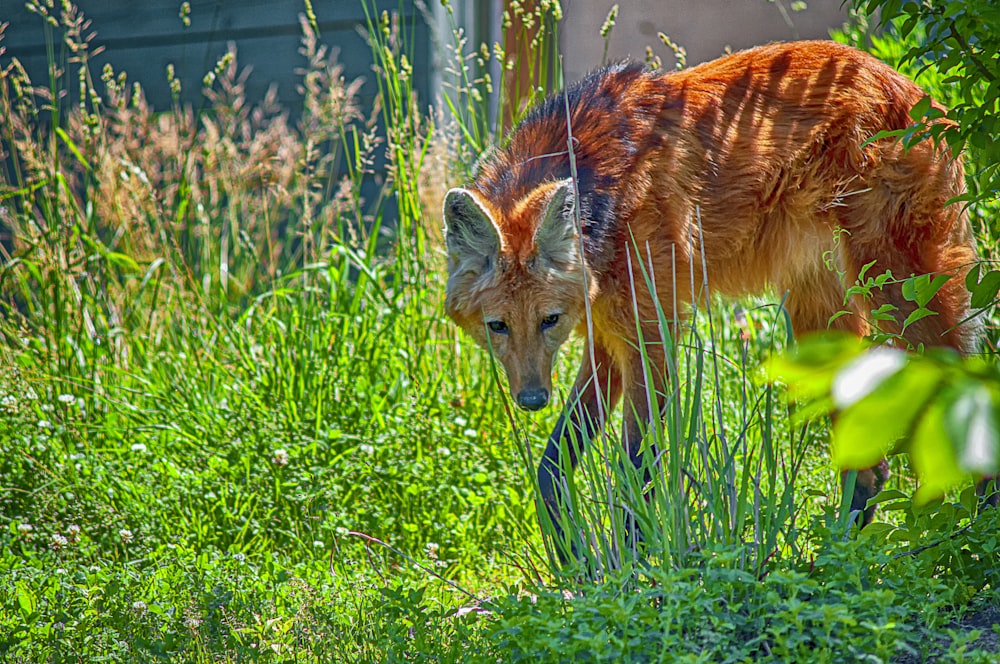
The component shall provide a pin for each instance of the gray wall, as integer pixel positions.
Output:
(704, 27)
(141, 37)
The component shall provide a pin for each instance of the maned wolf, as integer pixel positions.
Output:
(754, 163)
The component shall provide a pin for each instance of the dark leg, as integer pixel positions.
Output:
(594, 395)
(989, 492)
(813, 298)
(869, 483)
(640, 404)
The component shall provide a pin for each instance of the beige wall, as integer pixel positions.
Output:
(704, 27)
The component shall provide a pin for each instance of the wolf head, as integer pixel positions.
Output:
(516, 280)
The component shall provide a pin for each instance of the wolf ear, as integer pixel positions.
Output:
(471, 236)
(556, 241)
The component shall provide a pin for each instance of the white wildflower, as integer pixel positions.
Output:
(139, 606)
(58, 542)
(139, 448)
(280, 458)
(66, 398)
(126, 535)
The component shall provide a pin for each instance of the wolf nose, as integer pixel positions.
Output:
(532, 399)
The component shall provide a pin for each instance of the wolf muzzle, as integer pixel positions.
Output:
(533, 398)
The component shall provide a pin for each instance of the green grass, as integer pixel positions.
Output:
(235, 425)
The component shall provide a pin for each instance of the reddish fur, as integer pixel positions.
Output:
(767, 144)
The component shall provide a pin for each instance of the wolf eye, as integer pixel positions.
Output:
(550, 321)
(497, 326)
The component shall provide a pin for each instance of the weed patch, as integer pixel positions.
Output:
(236, 426)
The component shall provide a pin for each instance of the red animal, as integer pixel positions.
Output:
(768, 147)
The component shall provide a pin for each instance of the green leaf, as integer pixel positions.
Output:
(972, 429)
(876, 531)
(72, 147)
(890, 494)
(122, 260)
(909, 24)
(985, 291)
(864, 270)
(810, 369)
(24, 191)
(862, 433)
(917, 314)
(885, 312)
(922, 288)
(839, 314)
(26, 599)
(885, 133)
(920, 109)
(884, 278)
(932, 458)
(857, 379)
(972, 277)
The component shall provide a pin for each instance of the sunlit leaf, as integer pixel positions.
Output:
(972, 428)
(881, 418)
(810, 369)
(122, 260)
(985, 291)
(932, 457)
(859, 378)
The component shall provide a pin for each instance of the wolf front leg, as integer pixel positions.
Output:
(594, 395)
(643, 403)
(868, 483)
